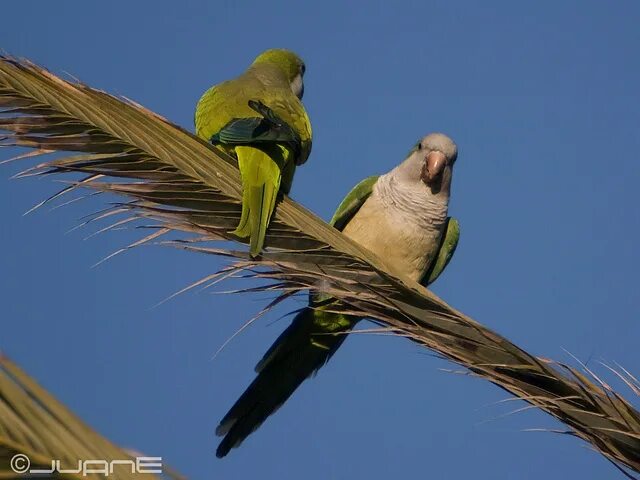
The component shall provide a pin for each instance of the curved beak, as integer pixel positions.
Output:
(433, 167)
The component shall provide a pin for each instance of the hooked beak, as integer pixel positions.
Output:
(433, 167)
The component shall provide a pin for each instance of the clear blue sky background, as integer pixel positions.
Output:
(542, 100)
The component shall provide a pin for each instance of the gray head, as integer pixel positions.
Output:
(430, 163)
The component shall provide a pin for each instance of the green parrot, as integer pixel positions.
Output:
(259, 118)
(402, 217)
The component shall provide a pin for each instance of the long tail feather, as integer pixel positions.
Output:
(298, 353)
(261, 177)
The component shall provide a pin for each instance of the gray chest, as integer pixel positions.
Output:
(406, 244)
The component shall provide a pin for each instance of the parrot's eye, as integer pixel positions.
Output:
(419, 146)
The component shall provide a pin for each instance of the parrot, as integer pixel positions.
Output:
(402, 216)
(258, 117)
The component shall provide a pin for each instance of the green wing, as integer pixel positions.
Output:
(269, 127)
(241, 131)
(445, 252)
(352, 202)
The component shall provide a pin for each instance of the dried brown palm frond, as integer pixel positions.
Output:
(36, 430)
(184, 184)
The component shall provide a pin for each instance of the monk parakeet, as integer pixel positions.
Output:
(258, 117)
(402, 217)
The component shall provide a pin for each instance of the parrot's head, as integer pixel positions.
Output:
(290, 64)
(431, 162)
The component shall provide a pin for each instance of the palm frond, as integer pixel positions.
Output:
(186, 185)
(36, 430)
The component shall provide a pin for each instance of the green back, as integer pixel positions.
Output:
(266, 129)
(228, 102)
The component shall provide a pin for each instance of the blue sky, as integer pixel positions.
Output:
(542, 100)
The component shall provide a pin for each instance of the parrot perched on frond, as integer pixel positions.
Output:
(400, 216)
(258, 117)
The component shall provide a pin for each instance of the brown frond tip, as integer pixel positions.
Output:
(185, 185)
(36, 425)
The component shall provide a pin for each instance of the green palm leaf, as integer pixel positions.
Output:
(186, 185)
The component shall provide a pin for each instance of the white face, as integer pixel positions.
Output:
(430, 163)
(297, 86)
